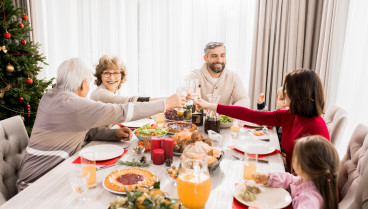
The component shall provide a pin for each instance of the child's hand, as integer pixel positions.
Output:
(261, 98)
(255, 206)
(261, 178)
(201, 104)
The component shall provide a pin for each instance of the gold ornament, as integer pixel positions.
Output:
(22, 117)
(3, 48)
(9, 68)
(2, 91)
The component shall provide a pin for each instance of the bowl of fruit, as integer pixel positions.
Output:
(149, 130)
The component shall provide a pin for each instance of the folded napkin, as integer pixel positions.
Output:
(239, 205)
(102, 162)
(252, 155)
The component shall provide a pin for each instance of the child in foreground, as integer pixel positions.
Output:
(316, 163)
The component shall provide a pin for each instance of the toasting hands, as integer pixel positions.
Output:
(175, 101)
(201, 104)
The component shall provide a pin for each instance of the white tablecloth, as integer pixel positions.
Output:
(53, 190)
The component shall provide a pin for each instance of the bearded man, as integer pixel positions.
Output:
(214, 78)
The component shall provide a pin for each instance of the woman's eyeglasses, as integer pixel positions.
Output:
(107, 74)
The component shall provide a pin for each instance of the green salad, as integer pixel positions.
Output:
(226, 119)
(151, 130)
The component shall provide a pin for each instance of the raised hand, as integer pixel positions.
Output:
(175, 101)
(261, 98)
(201, 104)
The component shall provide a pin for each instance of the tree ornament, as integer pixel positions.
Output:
(9, 68)
(21, 25)
(22, 118)
(25, 17)
(7, 35)
(28, 106)
(21, 99)
(29, 81)
(2, 91)
(24, 42)
(3, 48)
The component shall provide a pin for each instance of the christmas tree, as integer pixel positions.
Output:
(20, 63)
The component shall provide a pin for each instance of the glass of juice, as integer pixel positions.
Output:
(160, 118)
(235, 128)
(88, 163)
(249, 166)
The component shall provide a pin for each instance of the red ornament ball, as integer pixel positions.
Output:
(28, 105)
(21, 25)
(21, 99)
(29, 81)
(7, 35)
(24, 42)
(25, 17)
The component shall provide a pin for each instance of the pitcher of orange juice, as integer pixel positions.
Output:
(194, 182)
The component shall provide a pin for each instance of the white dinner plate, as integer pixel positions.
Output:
(112, 191)
(104, 151)
(270, 197)
(138, 123)
(260, 148)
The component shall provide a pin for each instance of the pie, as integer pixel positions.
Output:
(129, 179)
(175, 127)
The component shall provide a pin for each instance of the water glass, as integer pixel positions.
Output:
(88, 163)
(79, 184)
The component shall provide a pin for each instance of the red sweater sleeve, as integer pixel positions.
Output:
(259, 117)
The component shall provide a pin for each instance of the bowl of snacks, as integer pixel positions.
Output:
(147, 131)
(225, 121)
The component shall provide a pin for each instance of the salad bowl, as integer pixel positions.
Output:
(149, 130)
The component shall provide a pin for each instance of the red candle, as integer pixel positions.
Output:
(156, 142)
(157, 156)
(168, 146)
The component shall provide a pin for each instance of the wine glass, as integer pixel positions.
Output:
(194, 90)
(181, 90)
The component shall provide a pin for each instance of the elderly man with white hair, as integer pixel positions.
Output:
(65, 115)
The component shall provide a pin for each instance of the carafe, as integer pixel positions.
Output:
(194, 182)
(212, 121)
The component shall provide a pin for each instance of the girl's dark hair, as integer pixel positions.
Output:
(107, 63)
(305, 91)
(318, 159)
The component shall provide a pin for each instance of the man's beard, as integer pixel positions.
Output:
(214, 69)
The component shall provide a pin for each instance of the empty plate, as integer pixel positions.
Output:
(104, 151)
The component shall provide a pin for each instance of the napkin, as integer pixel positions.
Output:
(103, 162)
(239, 205)
(252, 155)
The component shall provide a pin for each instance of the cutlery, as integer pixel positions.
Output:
(253, 159)
(105, 166)
(265, 140)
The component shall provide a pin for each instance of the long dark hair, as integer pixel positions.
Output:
(305, 91)
(319, 160)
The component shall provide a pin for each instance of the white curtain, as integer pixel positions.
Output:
(160, 41)
(87, 29)
(353, 83)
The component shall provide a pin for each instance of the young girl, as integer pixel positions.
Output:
(304, 95)
(316, 163)
(280, 101)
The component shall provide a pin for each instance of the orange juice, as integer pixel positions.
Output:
(193, 193)
(249, 169)
(235, 128)
(91, 170)
(160, 118)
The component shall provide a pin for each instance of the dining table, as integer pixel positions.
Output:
(53, 190)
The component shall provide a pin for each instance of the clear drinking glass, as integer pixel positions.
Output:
(249, 166)
(235, 129)
(88, 163)
(79, 184)
(181, 90)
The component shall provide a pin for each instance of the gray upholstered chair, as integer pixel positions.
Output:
(13, 141)
(336, 119)
(353, 174)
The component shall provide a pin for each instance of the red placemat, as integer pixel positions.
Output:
(103, 162)
(239, 205)
(253, 156)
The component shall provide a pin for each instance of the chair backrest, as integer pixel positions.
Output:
(336, 119)
(13, 141)
(353, 174)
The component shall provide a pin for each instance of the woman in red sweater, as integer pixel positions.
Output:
(304, 95)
